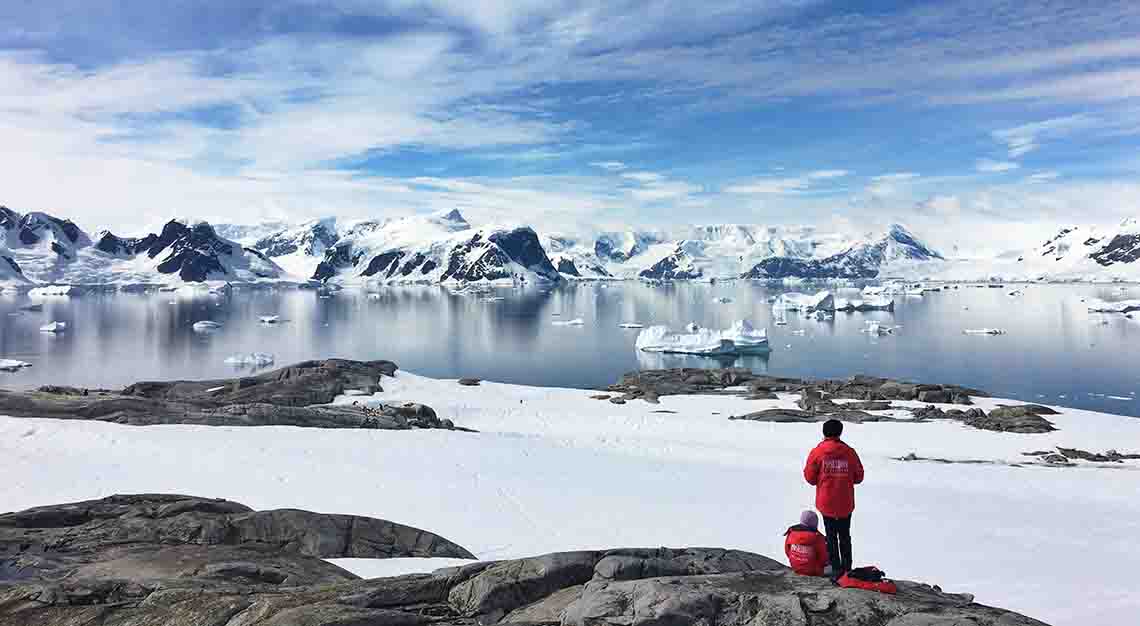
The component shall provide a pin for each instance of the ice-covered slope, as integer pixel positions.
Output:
(41, 232)
(299, 249)
(11, 276)
(867, 259)
(439, 248)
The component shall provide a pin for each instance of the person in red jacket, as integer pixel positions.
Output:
(834, 469)
(805, 547)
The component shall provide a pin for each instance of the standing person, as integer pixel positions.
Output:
(805, 548)
(834, 469)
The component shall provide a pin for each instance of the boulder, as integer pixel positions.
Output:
(156, 560)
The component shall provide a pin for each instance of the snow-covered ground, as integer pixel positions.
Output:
(553, 469)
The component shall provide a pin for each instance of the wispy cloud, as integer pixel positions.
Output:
(785, 185)
(1042, 177)
(990, 165)
(612, 166)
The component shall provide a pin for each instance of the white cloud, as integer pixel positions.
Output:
(786, 185)
(894, 177)
(1024, 139)
(644, 177)
(1042, 177)
(611, 166)
(990, 165)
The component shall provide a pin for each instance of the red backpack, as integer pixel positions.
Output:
(870, 578)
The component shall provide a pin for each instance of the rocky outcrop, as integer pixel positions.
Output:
(158, 560)
(297, 395)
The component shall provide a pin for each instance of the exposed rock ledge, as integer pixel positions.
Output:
(297, 395)
(155, 560)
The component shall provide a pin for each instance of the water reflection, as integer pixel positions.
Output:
(1054, 347)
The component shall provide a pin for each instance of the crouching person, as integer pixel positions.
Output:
(805, 546)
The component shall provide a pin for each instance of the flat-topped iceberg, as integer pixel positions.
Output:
(1120, 306)
(871, 303)
(795, 301)
(740, 338)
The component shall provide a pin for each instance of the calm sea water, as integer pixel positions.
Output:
(1054, 351)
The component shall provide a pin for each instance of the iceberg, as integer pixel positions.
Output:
(253, 359)
(54, 327)
(876, 328)
(874, 303)
(577, 321)
(983, 331)
(795, 301)
(630, 325)
(722, 300)
(740, 338)
(12, 365)
(206, 326)
(269, 319)
(1120, 306)
(52, 290)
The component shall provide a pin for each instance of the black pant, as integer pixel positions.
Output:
(838, 542)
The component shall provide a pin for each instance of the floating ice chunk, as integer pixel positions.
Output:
(746, 337)
(877, 328)
(874, 303)
(1120, 306)
(795, 301)
(1119, 398)
(494, 299)
(213, 389)
(54, 327)
(12, 365)
(874, 290)
(800, 332)
(983, 331)
(577, 321)
(1015, 293)
(722, 300)
(206, 326)
(253, 359)
(630, 325)
(269, 319)
(692, 327)
(740, 338)
(52, 290)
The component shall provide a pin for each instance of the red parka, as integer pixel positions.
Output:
(834, 469)
(806, 550)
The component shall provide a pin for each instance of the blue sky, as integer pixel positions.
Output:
(1003, 119)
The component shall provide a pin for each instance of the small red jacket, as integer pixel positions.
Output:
(834, 469)
(806, 550)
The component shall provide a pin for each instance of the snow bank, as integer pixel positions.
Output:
(795, 301)
(553, 470)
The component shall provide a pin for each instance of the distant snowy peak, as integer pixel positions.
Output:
(1105, 247)
(247, 234)
(193, 253)
(40, 230)
(681, 264)
(437, 248)
(311, 238)
(623, 246)
(860, 261)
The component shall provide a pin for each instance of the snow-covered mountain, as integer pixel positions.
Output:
(38, 248)
(439, 248)
(863, 260)
(299, 249)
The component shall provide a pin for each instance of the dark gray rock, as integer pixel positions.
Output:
(469, 382)
(297, 395)
(1015, 419)
(175, 560)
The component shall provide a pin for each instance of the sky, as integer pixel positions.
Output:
(980, 124)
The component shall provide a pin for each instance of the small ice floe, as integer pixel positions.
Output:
(373, 296)
(494, 299)
(53, 327)
(722, 300)
(794, 301)
(214, 389)
(253, 359)
(52, 290)
(1120, 306)
(12, 365)
(823, 316)
(983, 331)
(577, 321)
(800, 332)
(206, 326)
(1119, 398)
(269, 319)
(630, 325)
(1015, 293)
(877, 328)
(692, 327)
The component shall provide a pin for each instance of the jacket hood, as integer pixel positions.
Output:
(799, 528)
